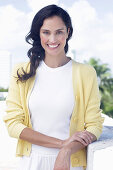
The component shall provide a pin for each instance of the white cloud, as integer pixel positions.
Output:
(36, 5)
(93, 36)
(13, 27)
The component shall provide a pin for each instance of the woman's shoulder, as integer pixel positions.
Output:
(83, 68)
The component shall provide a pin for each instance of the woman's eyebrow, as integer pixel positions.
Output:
(55, 30)
(61, 29)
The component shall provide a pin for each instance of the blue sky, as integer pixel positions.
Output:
(92, 21)
(21, 5)
(102, 6)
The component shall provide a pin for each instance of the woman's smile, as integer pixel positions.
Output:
(52, 47)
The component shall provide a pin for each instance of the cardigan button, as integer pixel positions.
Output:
(75, 160)
(74, 119)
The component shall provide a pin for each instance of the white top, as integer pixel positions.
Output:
(51, 102)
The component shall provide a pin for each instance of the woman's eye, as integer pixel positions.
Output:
(59, 32)
(45, 32)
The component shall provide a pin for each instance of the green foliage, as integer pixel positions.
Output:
(3, 89)
(105, 79)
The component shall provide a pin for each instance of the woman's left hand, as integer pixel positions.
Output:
(63, 160)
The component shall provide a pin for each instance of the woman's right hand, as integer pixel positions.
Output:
(83, 137)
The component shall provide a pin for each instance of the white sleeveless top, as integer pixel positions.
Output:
(51, 102)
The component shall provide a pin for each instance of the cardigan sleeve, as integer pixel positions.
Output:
(93, 116)
(14, 118)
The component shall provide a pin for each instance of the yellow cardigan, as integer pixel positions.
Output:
(86, 113)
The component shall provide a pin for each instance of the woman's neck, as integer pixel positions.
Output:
(54, 62)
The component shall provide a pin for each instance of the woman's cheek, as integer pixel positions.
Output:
(43, 39)
(63, 39)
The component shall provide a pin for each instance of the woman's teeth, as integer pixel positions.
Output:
(52, 46)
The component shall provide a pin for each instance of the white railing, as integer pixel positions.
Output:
(105, 140)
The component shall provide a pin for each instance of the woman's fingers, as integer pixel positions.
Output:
(89, 136)
(86, 136)
(83, 136)
(78, 139)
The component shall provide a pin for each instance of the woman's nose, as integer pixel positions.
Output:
(52, 38)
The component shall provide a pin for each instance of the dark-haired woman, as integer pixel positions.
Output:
(53, 102)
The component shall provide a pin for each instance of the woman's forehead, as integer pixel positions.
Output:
(53, 20)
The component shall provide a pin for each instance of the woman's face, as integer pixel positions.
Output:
(53, 35)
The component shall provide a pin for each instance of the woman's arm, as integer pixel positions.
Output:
(79, 138)
(63, 159)
(92, 117)
(38, 138)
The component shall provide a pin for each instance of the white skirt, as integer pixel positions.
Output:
(40, 161)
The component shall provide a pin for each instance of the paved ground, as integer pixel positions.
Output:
(102, 159)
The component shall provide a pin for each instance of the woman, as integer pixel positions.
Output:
(53, 101)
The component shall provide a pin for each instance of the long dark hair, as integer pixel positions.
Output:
(37, 53)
